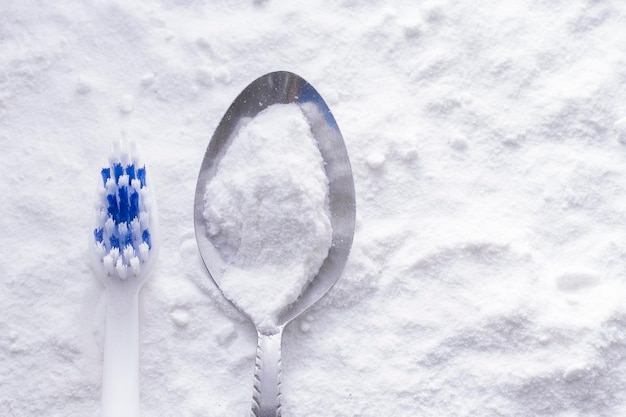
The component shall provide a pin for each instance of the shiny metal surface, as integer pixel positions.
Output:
(275, 88)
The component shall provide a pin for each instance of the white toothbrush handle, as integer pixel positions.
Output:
(120, 371)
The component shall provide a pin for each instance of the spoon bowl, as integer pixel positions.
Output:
(283, 88)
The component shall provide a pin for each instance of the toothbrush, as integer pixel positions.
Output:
(123, 249)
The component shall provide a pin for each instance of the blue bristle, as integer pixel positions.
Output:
(130, 171)
(145, 236)
(106, 174)
(115, 242)
(99, 234)
(141, 175)
(134, 205)
(128, 239)
(118, 171)
(123, 213)
(113, 209)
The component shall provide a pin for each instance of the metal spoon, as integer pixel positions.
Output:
(276, 88)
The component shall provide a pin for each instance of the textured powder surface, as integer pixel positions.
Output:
(265, 210)
(488, 144)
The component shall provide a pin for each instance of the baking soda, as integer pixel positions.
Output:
(266, 212)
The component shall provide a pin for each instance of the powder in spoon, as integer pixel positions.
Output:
(266, 212)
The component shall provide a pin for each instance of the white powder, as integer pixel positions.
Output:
(266, 212)
(488, 146)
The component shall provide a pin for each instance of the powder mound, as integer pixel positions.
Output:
(266, 212)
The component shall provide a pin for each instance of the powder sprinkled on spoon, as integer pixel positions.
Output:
(266, 212)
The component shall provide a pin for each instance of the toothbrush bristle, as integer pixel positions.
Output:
(141, 175)
(106, 174)
(122, 238)
(145, 236)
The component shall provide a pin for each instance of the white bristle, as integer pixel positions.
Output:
(101, 251)
(136, 184)
(102, 217)
(108, 264)
(135, 265)
(122, 229)
(145, 194)
(111, 187)
(135, 227)
(129, 252)
(144, 220)
(144, 251)
(124, 180)
(124, 153)
(134, 151)
(114, 157)
(115, 254)
(109, 226)
(120, 268)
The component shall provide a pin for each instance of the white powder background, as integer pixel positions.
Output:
(487, 276)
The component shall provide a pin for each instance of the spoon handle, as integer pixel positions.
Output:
(266, 394)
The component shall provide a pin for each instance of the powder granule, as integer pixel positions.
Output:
(266, 212)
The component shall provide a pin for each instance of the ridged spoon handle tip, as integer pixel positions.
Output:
(266, 393)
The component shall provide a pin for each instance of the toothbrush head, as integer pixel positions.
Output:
(123, 242)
